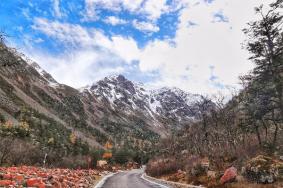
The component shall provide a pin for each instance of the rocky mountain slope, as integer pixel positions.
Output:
(166, 106)
(116, 109)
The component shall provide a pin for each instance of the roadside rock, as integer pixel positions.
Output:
(229, 175)
(211, 174)
(263, 169)
(44, 177)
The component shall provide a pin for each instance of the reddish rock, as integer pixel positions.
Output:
(35, 182)
(7, 177)
(44, 177)
(229, 175)
(19, 178)
(7, 183)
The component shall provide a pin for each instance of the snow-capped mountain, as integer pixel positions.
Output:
(113, 108)
(127, 113)
(124, 95)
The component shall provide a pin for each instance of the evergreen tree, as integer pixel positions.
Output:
(264, 85)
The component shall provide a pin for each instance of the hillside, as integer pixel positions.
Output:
(73, 121)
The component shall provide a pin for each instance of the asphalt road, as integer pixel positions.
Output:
(130, 179)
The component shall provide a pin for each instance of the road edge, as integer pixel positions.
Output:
(170, 183)
(103, 180)
(153, 182)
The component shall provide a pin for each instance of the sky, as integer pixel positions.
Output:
(195, 45)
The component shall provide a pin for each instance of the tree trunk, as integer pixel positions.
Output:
(266, 129)
(275, 134)
(258, 134)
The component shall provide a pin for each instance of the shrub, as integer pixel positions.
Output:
(198, 170)
(163, 167)
(74, 162)
(121, 156)
(14, 151)
(2, 118)
(21, 131)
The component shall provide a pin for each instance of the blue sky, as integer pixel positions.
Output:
(191, 44)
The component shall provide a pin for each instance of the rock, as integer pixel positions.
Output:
(35, 182)
(7, 176)
(211, 174)
(101, 163)
(184, 152)
(281, 158)
(263, 169)
(5, 183)
(44, 177)
(229, 175)
(48, 186)
(19, 178)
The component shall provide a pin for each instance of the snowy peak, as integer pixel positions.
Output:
(46, 76)
(115, 81)
(133, 98)
(120, 93)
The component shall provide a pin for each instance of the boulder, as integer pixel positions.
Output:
(230, 175)
(263, 169)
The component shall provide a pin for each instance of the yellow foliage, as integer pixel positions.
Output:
(24, 125)
(108, 145)
(51, 141)
(107, 155)
(73, 138)
(8, 125)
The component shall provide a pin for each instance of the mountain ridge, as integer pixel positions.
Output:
(113, 108)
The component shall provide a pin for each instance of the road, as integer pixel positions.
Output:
(130, 179)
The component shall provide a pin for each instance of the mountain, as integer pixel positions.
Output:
(166, 106)
(114, 108)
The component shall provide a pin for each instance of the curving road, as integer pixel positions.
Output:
(130, 179)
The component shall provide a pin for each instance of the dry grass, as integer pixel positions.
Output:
(254, 185)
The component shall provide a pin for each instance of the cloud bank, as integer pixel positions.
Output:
(204, 56)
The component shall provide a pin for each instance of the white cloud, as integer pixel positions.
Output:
(70, 33)
(89, 56)
(186, 64)
(145, 26)
(78, 36)
(79, 68)
(155, 8)
(92, 6)
(56, 8)
(115, 21)
(152, 9)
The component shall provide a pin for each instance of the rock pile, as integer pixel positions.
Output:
(26, 176)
